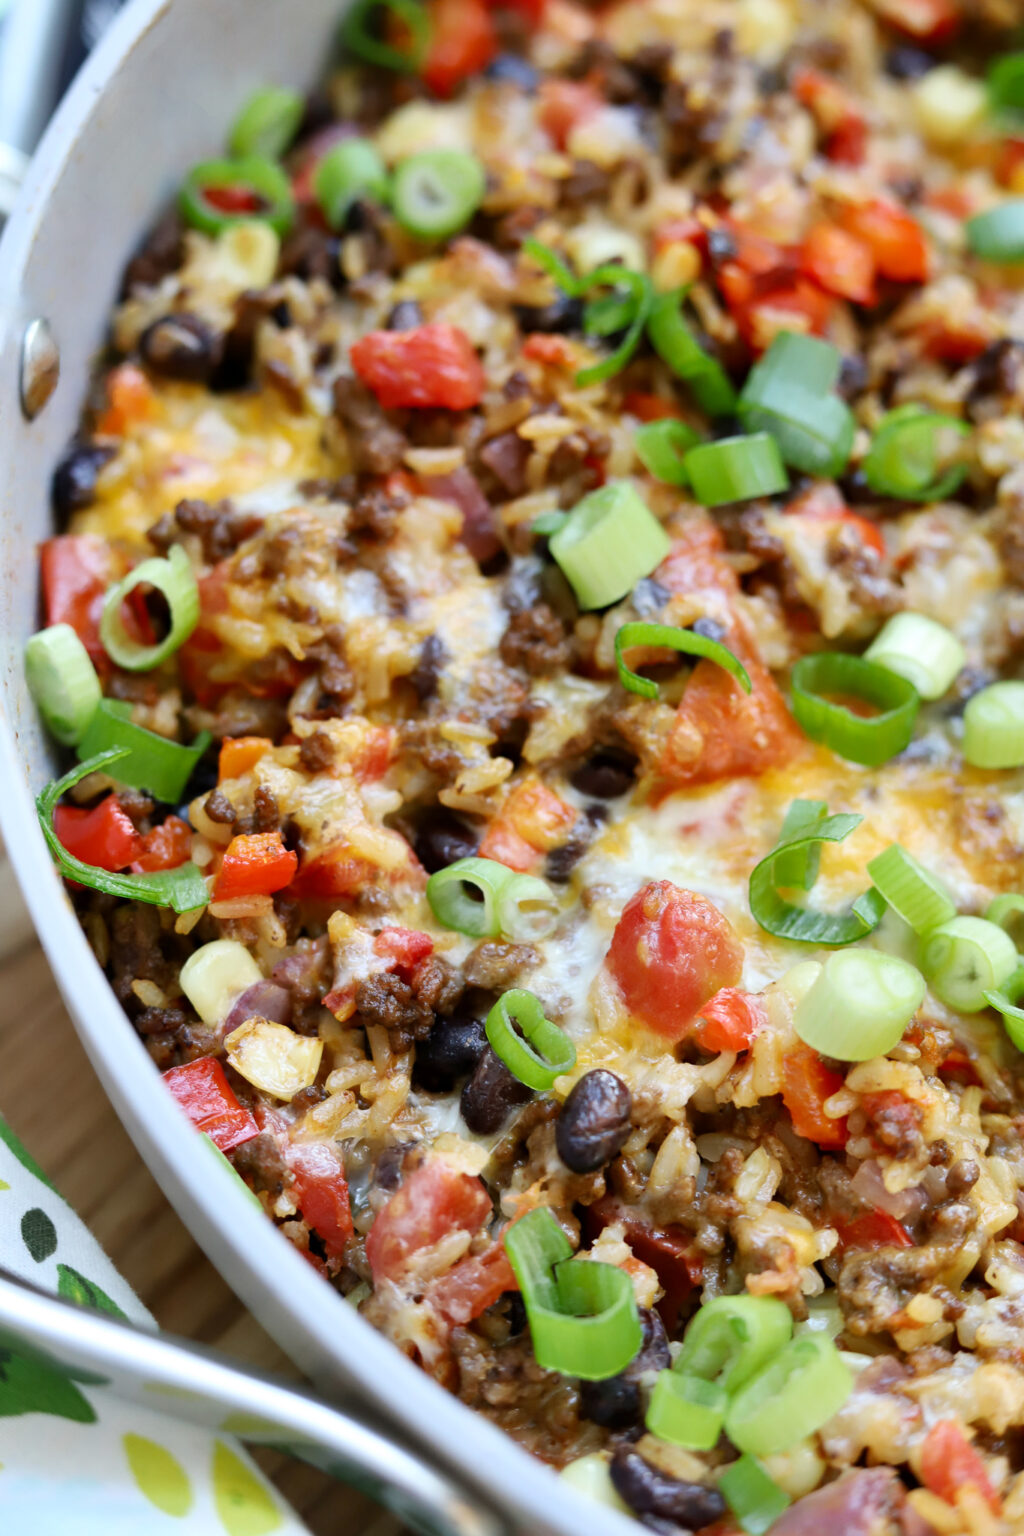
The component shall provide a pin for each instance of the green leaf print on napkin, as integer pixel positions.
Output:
(39, 1234)
(26, 1159)
(32, 1386)
(160, 1476)
(243, 1504)
(75, 1287)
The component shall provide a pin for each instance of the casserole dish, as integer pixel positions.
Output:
(106, 165)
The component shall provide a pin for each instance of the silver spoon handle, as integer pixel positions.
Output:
(203, 1387)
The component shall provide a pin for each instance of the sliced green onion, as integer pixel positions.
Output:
(449, 894)
(351, 170)
(527, 909)
(793, 1395)
(604, 316)
(264, 179)
(436, 193)
(731, 1337)
(670, 638)
(358, 38)
(994, 727)
(183, 888)
(548, 523)
(1005, 1001)
(157, 765)
(755, 1499)
(913, 455)
(553, 265)
(805, 925)
(582, 1314)
(686, 1411)
(267, 123)
(1003, 909)
(788, 393)
(872, 740)
(797, 870)
(660, 447)
(966, 958)
(63, 681)
(736, 469)
(175, 579)
(859, 1005)
(541, 1053)
(998, 234)
(1005, 83)
(675, 344)
(913, 893)
(609, 543)
(920, 649)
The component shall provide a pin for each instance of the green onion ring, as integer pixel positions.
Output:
(912, 892)
(686, 1411)
(792, 1396)
(358, 39)
(967, 958)
(730, 1338)
(903, 461)
(542, 1053)
(805, 925)
(157, 765)
(859, 1005)
(755, 1499)
(672, 638)
(869, 741)
(267, 123)
(63, 681)
(455, 908)
(351, 170)
(798, 870)
(173, 577)
(1004, 1000)
(436, 193)
(675, 344)
(263, 177)
(660, 447)
(736, 469)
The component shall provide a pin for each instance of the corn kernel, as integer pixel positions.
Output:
(675, 266)
(948, 105)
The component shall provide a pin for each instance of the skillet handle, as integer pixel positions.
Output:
(204, 1387)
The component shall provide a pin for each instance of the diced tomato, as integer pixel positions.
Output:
(950, 1462)
(206, 1096)
(563, 104)
(240, 753)
(552, 351)
(671, 951)
(462, 43)
(473, 1284)
(532, 821)
(321, 1193)
(895, 239)
(430, 367)
(650, 407)
(104, 836)
(840, 262)
(503, 843)
(131, 401)
(434, 1200)
(167, 846)
(76, 570)
(959, 1066)
(806, 1085)
(730, 1021)
(335, 873)
(669, 1251)
(762, 309)
(839, 118)
(930, 21)
(961, 340)
(875, 1229)
(255, 864)
(376, 749)
(824, 504)
(404, 947)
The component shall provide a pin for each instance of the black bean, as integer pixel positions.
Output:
(181, 347)
(490, 1093)
(562, 314)
(441, 839)
(406, 316)
(853, 376)
(512, 70)
(618, 1402)
(906, 63)
(649, 1491)
(710, 629)
(451, 1050)
(594, 1122)
(721, 246)
(650, 597)
(74, 479)
(427, 671)
(606, 775)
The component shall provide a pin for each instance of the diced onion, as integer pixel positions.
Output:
(860, 1005)
(213, 976)
(590, 1476)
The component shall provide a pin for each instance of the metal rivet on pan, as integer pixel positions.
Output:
(40, 367)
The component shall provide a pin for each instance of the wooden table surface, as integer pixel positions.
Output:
(53, 1101)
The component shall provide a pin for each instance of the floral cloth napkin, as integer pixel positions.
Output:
(74, 1460)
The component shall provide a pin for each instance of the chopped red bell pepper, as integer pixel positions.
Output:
(76, 570)
(463, 41)
(563, 104)
(255, 864)
(824, 504)
(950, 1462)
(430, 367)
(840, 120)
(131, 401)
(650, 407)
(874, 1229)
(930, 21)
(895, 239)
(806, 1085)
(240, 753)
(336, 872)
(552, 351)
(840, 262)
(206, 1096)
(104, 836)
(404, 948)
(165, 847)
(730, 1021)
(321, 1193)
